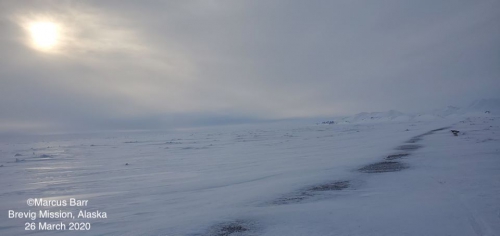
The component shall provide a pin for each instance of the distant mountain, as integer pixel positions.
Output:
(484, 107)
(447, 111)
(369, 117)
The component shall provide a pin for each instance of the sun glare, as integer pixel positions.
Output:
(45, 35)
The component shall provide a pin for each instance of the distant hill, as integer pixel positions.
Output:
(483, 107)
(491, 105)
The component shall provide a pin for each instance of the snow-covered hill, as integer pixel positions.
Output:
(369, 117)
(483, 107)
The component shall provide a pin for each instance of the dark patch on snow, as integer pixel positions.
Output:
(409, 147)
(339, 185)
(415, 139)
(171, 142)
(230, 228)
(295, 198)
(396, 156)
(419, 137)
(194, 148)
(427, 133)
(385, 166)
(44, 156)
(435, 130)
(310, 192)
(17, 155)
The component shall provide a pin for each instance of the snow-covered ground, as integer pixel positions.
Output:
(265, 179)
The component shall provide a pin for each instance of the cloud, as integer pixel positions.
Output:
(162, 64)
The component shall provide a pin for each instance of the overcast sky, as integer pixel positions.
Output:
(157, 64)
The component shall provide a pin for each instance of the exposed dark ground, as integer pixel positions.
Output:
(396, 156)
(331, 186)
(233, 228)
(384, 166)
(408, 147)
(311, 191)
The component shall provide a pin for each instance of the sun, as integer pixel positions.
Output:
(44, 34)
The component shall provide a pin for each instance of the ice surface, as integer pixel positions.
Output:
(226, 181)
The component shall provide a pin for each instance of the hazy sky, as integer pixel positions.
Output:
(158, 64)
